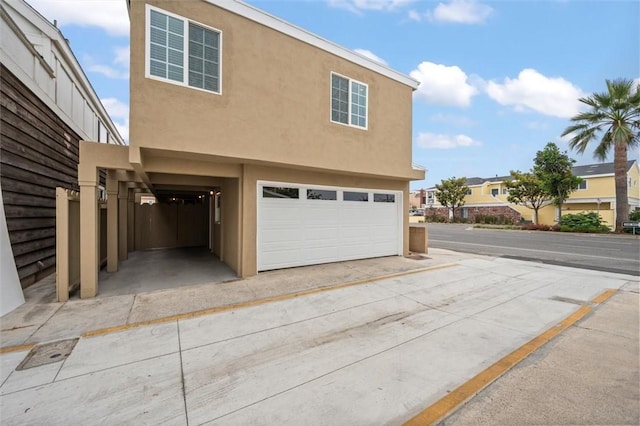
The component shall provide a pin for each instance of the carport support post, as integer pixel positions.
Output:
(131, 230)
(123, 205)
(112, 222)
(89, 236)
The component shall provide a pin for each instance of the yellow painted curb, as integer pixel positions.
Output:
(258, 302)
(17, 348)
(464, 392)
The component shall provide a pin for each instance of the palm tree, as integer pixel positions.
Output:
(613, 120)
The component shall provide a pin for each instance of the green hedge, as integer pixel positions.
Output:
(582, 222)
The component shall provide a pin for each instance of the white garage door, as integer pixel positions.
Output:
(309, 224)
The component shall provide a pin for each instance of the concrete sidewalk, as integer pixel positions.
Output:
(43, 319)
(377, 352)
(588, 375)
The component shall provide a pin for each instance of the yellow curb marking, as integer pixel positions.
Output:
(466, 391)
(17, 348)
(258, 302)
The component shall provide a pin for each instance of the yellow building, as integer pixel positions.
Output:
(488, 196)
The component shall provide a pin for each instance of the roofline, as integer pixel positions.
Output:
(250, 12)
(61, 43)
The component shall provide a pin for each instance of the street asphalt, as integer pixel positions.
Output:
(618, 253)
(378, 350)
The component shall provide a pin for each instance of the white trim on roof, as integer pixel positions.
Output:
(261, 17)
(67, 56)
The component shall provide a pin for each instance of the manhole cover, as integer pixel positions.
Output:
(47, 353)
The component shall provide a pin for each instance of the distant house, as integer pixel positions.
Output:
(488, 196)
(48, 106)
(266, 144)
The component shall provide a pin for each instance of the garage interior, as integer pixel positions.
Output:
(173, 237)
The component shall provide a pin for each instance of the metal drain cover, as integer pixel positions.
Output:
(47, 353)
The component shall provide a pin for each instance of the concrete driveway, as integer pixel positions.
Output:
(378, 351)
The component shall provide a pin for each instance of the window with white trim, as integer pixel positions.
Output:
(582, 185)
(182, 52)
(348, 101)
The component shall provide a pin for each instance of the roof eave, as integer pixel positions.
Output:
(264, 18)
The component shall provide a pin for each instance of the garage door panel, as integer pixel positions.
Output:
(320, 217)
(317, 255)
(280, 215)
(322, 234)
(279, 236)
(296, 232)
(281, 258)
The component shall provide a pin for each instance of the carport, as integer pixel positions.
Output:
(164, 221)
(161, 269)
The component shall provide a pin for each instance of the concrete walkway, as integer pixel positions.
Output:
(588, 375)
(356, 351)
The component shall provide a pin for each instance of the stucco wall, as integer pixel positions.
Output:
(275, 102)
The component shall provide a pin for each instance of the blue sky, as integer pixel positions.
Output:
(498, 79)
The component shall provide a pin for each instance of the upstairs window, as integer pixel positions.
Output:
(182, 52)
(582, 185)
(348, 101)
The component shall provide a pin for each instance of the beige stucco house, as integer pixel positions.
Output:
(265, 143)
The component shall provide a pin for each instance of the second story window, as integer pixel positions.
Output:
(182, 52)
(348, 101)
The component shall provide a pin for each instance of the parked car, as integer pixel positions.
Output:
(419, 212)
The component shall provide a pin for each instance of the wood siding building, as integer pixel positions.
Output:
(47, 106)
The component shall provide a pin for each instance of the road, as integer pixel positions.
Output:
(610, 253)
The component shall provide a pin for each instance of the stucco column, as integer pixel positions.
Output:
(89, 228)
(123, 205)
(112, 222)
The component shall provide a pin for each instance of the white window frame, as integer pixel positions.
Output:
(586, 185)
(349, 80)
(185, 50)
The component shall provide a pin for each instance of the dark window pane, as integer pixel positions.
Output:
(384, 198)
(321, 194)
(355, 196)
(279, 192)
(203, 58)
(158, 69)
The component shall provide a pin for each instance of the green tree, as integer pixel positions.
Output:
(526, 189)
(553, 168)
(451, 192)
(613, 120)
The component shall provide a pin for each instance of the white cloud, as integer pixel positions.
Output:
(369, 54)
(110, 15)
(357, 6)
(414, 15)
(440, 141)
(119, 113)
(122, 56)
(119, 69)
(443, 85)
(455, 11)
(553, 96)
(456, 120)
(461, 12)
(108, 71)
